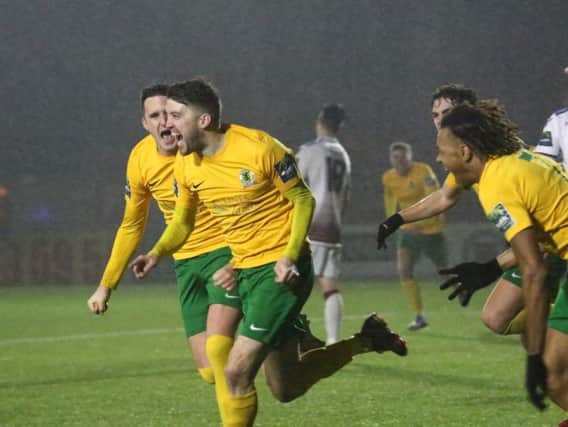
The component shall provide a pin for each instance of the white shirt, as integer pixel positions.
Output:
(326, 168)
(554, 139)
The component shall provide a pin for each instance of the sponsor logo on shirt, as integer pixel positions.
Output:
(286, 168)
(501, 218)
(176, 189)
(247, 178)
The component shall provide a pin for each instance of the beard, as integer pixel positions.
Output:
(193, 143)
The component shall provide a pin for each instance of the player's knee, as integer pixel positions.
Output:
(493, 322)
(239, 380)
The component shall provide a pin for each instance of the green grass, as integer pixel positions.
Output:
(62, 366)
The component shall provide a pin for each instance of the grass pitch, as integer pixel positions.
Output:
(62, 366)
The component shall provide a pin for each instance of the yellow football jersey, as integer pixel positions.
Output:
(402, 191)
(242, 186)
(150, 175)
(523, 190)
(452, 183)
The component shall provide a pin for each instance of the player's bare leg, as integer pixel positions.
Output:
(333, 308)
(290, 376)
(245, 359)
(406, 260)
(503, 304)
(556, 349)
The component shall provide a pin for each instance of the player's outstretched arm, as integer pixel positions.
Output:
(434, 204)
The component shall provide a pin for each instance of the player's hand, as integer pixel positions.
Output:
(143, 264)
(226, 277)
(386, 228)
(535, 381)
(98, 303)
(469, 277)
(286, 271)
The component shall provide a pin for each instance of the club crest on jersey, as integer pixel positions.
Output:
(247, 178)
(501, 218)
(429, 181)
(176, 189)
(286, 168)
(127, 190)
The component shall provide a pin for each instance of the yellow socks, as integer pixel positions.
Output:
(207, 375)
(412, 293)
(240, 411)
(218, 348)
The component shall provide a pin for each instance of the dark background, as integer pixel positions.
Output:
(72, 71)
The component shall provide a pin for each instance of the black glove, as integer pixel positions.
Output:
(386, 228)
(471, 276)
(535, 381)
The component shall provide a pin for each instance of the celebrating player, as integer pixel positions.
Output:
(250, 183)
(480, 145)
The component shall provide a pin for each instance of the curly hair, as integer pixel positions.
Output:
(484, 127)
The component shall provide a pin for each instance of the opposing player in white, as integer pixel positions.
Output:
(554, 139)
(326, 168)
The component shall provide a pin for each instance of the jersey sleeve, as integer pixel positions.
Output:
(131, 229)
(279, 165)
(549, 142)
(505, 209)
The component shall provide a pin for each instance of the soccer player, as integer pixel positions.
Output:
(250, 183)
(326, 169)
(554, 139)
(205, 307)
(503, 309)
(404, 184)
(480, 145)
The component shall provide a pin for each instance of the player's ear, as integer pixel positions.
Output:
(467, 153)
(204, 120)
(143, 121)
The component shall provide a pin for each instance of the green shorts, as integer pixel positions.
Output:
(433, 245)
(558, 318)
(270, 309)
(194, 278)
(556, 269)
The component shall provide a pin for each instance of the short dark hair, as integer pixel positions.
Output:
(332, 117)
(456, 93)
(200, 93)
(154, 90)
(484, 127)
